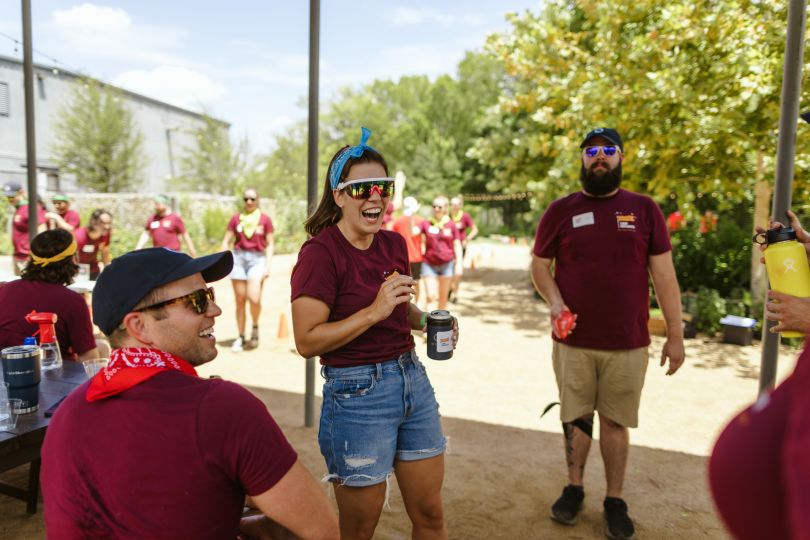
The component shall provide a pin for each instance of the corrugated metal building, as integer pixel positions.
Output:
(165, 128)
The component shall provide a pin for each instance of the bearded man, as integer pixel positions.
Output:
(604, 242)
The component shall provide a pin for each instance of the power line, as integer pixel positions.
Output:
(18, 43)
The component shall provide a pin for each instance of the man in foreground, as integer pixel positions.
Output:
(147, 449)
(604, 242)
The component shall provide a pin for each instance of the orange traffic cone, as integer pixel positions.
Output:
(512, 240)
(283, 329)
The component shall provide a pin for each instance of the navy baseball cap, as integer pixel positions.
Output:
(608, 133)
(10, 189)
(130, 277)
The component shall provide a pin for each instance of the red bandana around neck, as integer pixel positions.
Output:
(129, 367)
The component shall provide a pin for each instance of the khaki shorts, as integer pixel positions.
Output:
(606, 381)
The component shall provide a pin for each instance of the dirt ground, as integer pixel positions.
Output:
(505, 465)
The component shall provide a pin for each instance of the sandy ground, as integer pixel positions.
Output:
(505, 466)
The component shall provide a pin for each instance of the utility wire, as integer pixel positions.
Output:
(18, 42)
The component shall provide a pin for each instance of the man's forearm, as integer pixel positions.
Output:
(544, 283)
(668, 294)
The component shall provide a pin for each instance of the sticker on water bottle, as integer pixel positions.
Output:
(444, 341)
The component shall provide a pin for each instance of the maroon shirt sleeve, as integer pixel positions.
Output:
(242, 439)
(546, 242)
(80, 327)
(314, 274)
(233, 222)
(796, 453)
(268, 224)
(659, 235)
(72, 218)
(179, 226)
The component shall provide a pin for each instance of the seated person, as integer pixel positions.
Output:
(161, 452)
(52, 264)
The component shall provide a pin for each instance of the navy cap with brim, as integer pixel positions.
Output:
(607, 133)
(11, 188)
(130, 277)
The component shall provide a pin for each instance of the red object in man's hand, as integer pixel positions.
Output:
(564, 323)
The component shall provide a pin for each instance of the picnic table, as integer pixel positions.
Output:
(22, 444)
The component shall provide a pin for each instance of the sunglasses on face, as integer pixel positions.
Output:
(593, 151)
(249, 199)
(363, 189)
(198, 300)
(438, 207)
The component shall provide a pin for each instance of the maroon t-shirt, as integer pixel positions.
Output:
(89, 248)
(165, 230)
(759, 471)
(72, 218)
(257, 242)
(601, 249)
(463, 224)
(19, 230)
(439, 241)
(347, 280)
(172, 457)
(18, 298)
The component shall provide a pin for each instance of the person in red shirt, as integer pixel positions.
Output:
(95, 239)
(759, 469)
(351, 305)
(165, 228)
(15, 195)
(64, 217)
(604, 243)
(149, 449)
(442, 256)
(408, 226)
(251, 232)
(43, 287)
(467, 230)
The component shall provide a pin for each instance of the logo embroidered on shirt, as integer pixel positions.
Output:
(625, 222)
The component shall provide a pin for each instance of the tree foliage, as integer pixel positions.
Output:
(98, 140)
(214, 165)
(694, 86)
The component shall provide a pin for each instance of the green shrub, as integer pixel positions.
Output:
(710, 307)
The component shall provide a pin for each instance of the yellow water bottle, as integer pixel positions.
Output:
(786, 264)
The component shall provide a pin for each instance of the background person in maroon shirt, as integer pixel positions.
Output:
(165, 228)
(251, 232)
(43, 288)
(442, 258)
(605, 243)
(15, 195)
(467, 230)
(95, 239)
(351, 306)
(63, 216)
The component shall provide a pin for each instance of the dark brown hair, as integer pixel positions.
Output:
(328, 212)
(47, 244)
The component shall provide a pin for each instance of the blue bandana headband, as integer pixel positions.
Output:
(352, 152)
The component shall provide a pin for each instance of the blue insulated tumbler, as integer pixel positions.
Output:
(21, 372)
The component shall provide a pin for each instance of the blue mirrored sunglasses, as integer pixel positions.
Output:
(593, 151)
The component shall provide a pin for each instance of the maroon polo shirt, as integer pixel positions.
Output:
(165, 230)
(89, 248)
(19, 230)
(257, 242)
(439, 241)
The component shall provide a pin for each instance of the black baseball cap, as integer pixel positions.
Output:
(130, 277)
(608, 133)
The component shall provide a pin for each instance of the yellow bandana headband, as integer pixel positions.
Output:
(45, 261)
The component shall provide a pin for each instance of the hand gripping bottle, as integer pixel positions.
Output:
(51, 356)
(786, 264)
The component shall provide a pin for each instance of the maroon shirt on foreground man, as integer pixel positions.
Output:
(147, 448)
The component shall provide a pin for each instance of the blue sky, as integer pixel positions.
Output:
(247, 61)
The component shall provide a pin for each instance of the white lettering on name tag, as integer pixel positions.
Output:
(582, 219)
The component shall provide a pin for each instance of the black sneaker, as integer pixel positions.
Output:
(619, 524)
(567, 507)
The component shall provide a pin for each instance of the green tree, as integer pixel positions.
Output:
(214, 165)
(98, 140)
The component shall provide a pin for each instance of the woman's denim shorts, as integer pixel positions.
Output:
(440, 270)
(248, 264)
(375, 414)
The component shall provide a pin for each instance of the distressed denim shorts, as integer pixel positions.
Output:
(440, 270)
(248, 264)
(375, 414)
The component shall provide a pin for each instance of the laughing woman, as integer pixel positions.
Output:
(351, 305)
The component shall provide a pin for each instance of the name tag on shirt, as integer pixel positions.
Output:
(154, 225)
(88, 248)
(433, 229)
(581, 220)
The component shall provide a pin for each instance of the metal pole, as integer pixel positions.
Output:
(785, 162)
(312, 171)
(30, 139)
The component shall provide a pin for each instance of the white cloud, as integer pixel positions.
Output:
(99, 32)
(173, 84)
(404, 15)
